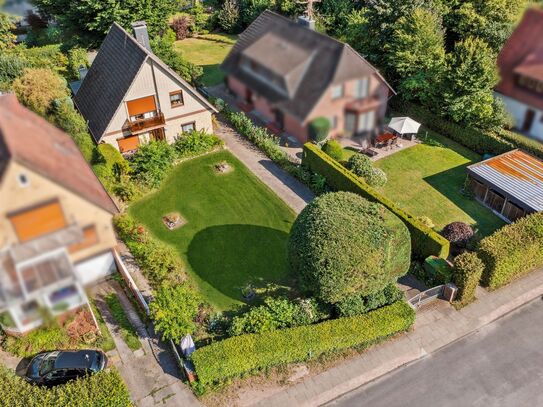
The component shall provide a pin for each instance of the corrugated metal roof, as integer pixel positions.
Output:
(517, 173)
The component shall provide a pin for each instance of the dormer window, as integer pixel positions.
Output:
(337, 91)
(176, 98)
(23, 180)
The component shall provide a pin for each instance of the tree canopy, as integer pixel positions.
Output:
(342, 244)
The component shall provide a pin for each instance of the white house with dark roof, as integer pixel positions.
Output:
(129, 96)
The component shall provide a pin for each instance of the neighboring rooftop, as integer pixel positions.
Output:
(516, 173)
(35, 143)
(308, 61)
(111, 74)
(522, 55)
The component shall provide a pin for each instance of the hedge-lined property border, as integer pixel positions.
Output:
(241, 355)
(512, 251)
(424, 241)
(494, 142)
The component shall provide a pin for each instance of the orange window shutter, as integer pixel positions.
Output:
(90, 237)
(141, 105)
(38, 221)
(128, 143)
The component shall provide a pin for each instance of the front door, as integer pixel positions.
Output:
(528, 121)
(248, 96)
(157, 134)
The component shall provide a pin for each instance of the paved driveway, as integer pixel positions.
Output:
(501, 365)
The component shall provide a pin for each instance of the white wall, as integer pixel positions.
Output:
(518, 111)
(96, 268)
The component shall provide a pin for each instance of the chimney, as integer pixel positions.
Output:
(141, 35)
(307, 22)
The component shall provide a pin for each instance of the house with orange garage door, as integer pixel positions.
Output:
(129, 96)
(56, 235)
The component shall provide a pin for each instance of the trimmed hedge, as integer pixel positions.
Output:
(468, 269)
(241, 355)
(424, 241)
(495, 142)
(101, 389)
(512, 251)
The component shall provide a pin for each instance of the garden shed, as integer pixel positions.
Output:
(510, 184)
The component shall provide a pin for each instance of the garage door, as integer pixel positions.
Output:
(38, 221)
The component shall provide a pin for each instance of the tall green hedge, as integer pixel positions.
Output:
(512, 251)
(495, 142)
(468, 269)
(241, 355)
(99, 390)
(424, 241)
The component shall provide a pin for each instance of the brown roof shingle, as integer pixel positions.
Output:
(35, 143)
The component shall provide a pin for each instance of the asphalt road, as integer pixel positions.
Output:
(501, 365)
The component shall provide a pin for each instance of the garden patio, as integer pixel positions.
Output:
(235, 232)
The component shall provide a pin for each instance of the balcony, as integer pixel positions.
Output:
(143, 125)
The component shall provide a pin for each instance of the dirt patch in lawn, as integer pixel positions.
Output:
(223, 167)
(173, 220)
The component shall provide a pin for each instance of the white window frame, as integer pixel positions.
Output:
(337, 91)
(362, 88)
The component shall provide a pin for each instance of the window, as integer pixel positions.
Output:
(337, 91)
(361, 90)
(23, 180)
(333, 122)
(186, 128)
(176, 98)
(38, 220)
(366, 121)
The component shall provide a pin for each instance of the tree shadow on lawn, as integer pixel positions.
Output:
(229, 257)
(450, 184)
(212, 75)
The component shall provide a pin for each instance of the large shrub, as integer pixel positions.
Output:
(468, 269)
(151, 161)
(342, 244)
(512, 251)
(240, 355)
(424, 240)
(362, 166)
(318, 129)
(180, 25)
(174, 309)
(158, 261)
(195, 142)
(458, 233)
(333, 149)
(101, 389)
(359, 304)
(278, 313)
(38, 88)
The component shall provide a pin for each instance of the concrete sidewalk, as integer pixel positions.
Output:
(435, 327)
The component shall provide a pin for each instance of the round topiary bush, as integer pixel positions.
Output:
(319, 129)
(342, 244)
(458, 233)
(377, 178)
(360, 164)
(333, 149)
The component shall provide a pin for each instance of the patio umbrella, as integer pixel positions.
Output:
(404, 125)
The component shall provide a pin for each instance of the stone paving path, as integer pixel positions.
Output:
(293, 192)
(436, 326)
(151, 373)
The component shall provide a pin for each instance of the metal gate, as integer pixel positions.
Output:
(426, 296)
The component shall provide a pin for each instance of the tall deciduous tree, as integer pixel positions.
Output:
(416, 52)
(491, 20)
(87, 21)
(471, 76)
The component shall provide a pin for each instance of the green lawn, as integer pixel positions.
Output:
(208, 52)
(236, 230)
(427, 180)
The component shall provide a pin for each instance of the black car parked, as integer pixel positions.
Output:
(58, 367)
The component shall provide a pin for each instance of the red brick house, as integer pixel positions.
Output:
(289, 75)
